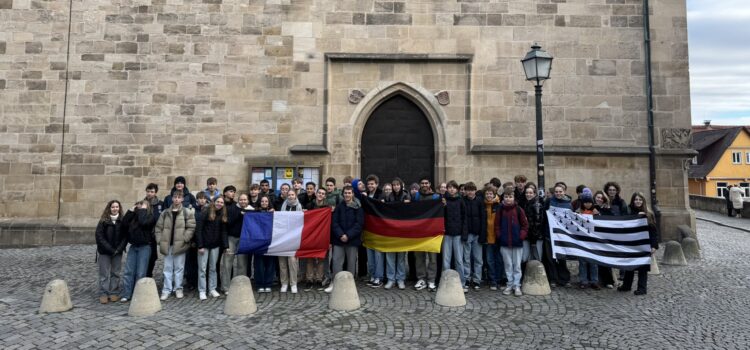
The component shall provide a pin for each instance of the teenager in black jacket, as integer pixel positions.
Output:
(456, 231)
(140, 223)
(639, 206)
(476, 223)
(210, 235)
(110, 243)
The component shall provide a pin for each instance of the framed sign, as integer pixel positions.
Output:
(279, 175)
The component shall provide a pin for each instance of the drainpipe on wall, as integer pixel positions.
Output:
(65, 111)
(650, 109)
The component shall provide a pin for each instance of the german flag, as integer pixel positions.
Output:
(403, 227)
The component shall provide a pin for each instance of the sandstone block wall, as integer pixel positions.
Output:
(100, 97)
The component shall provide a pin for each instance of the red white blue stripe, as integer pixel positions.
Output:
(291, 233)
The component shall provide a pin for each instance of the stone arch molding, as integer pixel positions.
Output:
(421, 97)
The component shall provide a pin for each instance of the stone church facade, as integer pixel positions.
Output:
(100, 97)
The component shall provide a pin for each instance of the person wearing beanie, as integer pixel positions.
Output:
(588, 272)
(188, 198)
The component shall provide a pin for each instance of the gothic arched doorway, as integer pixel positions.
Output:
(397, 140)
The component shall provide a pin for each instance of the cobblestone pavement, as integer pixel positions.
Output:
(700, 306)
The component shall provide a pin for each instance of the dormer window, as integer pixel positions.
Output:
(736, 157)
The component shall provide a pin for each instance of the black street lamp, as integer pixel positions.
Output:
(537, 65)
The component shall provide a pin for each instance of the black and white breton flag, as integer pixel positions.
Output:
(616, 241)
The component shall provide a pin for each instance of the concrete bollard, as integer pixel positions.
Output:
(344, 296)
(673, 254)
(654, 270)
(241, 300)
(535, 279)
(56, 297)
(690, 248)
(450, 292)
(145, 301)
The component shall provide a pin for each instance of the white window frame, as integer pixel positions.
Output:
(747, 157)
(736, 157)
(745, 186)
(720, 188)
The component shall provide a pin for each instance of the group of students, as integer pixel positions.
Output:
(489, 232)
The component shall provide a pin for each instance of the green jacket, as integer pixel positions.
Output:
(334, 198)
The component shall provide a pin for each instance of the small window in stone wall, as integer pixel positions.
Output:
(747, 159)
(736, 157)
(721, 189)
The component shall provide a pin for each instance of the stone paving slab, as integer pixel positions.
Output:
(742, 224)
(700, 306)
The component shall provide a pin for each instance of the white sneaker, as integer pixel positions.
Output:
(431, 286)
(420, 285)
(179, 294)
(268, 290)
(507, 290)
(389, 285)
(466, 289)
(401, 285)
(284, 287)
(164, 296)
(329, 288)
(518, 292)
(123, 300)
(214, 293)
(202, 296)
(294, 289)
(493, 287)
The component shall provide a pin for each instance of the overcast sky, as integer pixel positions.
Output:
(719, 43)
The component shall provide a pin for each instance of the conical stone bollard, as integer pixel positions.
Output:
(450, 292)
(673, 254)
(145, 301)
(535, 279)
(344, 296)
(241, 300)
(690, 248)
(654, 270)
(56, 297)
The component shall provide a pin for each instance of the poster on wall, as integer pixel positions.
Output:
(259, 174)
(284, 175)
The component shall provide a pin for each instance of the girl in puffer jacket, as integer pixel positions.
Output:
(110, 243)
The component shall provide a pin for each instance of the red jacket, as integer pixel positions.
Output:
(511, 226)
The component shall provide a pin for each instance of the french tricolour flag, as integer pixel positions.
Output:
(287, 233)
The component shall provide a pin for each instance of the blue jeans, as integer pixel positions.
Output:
(396, 266)
(453, 248)
(473, 250)
(210, 257)
(588, 272)
(136, 264)
(532, 254)
(512, 262)
(174, 268)
(375, 263)
(265, 270)
(496, 270)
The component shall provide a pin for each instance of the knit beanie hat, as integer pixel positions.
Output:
(179, 179)
(586, 196)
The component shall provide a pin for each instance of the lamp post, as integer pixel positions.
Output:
(537, 65)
